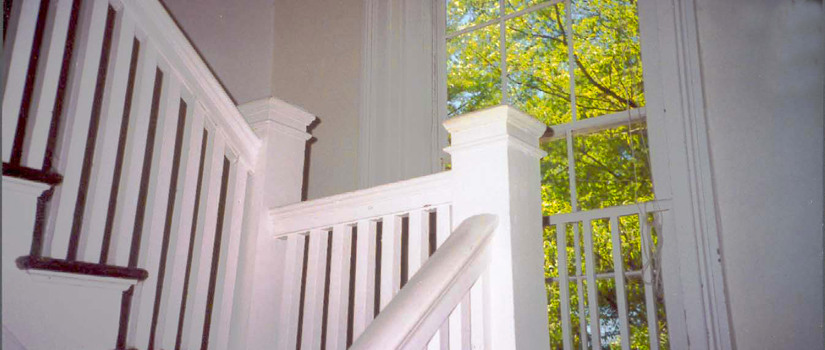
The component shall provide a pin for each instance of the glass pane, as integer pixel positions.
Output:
(511, 6)
(555, 182)
(637, 313)
(612, 167)
(631, 243)
(473, 71)
(554, 315)
(550, 253)
(607, 57)
(602, 246)
(537, 65)
(575, 319)
(609, 333)
(467, 13)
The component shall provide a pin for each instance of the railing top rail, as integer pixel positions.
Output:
(398, 197)
(654, 206)
(420, 308)
(154, 21)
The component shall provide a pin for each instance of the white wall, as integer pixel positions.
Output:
(235, 38)
(317, 66)
(762, 63)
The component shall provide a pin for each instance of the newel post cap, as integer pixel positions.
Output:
(495, 124)
(275, 113)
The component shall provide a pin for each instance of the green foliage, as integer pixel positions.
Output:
(611, 166)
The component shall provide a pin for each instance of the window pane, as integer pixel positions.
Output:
(609, 333)
(473, 71)
(537, 65)
(607, 57)
(602, 245)
(511, 6)
(555, 182)
(467, 13)
(612, 167)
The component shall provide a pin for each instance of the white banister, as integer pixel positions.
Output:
(419, 309)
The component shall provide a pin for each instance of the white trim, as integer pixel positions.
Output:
(377, 201)
(195, 75)
(274, 113)
(24, 186)
(81, 280)
(595, 124)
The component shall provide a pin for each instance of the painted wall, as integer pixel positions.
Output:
(235, 38)
(318, 67)
(763, 62)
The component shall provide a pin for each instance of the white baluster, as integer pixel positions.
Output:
(390, 258)
(416, 249)
(592, 296)
(202, 258)
(82, 81)
(182, 226)
(647, 279)
(16, 52)
(228, 268)
(97, 207)
(339, 288)
(45, 86)
(314, 291)
(129, 186)
(618, 271)
(294, 263)
(564, 288)
(151, 243)
(364, 277)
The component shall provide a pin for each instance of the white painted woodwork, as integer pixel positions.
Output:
(16, 63)
(45, 88)
(592, 296)
(618, 270)
(390, 258)
(416, 242)
(278, 181)
(202, 257)
(230, 253)
(124, 221)
(419, 309)
(495, 159)
(364, 277)
(290, 304)
(82, 81)
(181, 228)
(647, 279)
(151, 242)
(564, 288)
(399, 197)
(102, 176)
(157, 25)
(603, 122)
(314, 290)
(339, 288)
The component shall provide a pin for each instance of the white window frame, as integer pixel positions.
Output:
(696, 299)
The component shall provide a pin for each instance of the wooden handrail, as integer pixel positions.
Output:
(422, 306)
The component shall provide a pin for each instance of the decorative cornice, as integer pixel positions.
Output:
(284, 117)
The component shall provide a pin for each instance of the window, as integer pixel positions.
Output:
(577, 66)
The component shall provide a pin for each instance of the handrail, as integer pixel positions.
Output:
(419, 309)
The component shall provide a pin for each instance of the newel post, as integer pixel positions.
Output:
(495, 164)
(278, 181)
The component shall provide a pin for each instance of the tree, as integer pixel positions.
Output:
(611, 166)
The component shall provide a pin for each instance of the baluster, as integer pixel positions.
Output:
(183, 226)
(129, 187)
(152, 240)
(618, 271)
(390, 258)
(564, 287)
(339, 288)
(417, 249)
(17, 52)
(204, 242)
(230, 254)
(647, 279)
(314, 291)
(592, 296)
(106, 149)
(364, 277)
(82, 81)
(294, 262)
(45, 88)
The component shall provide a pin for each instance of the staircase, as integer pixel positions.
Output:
(142, 209)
